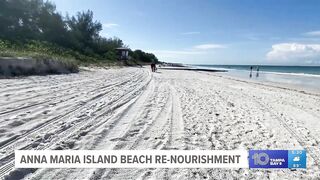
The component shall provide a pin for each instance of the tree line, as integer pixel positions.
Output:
(25, 21)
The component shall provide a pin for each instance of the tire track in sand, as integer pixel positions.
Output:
(4, 169)
(164, 132)
(106, 134)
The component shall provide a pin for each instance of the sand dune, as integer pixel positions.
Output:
(132, 108)
(19, 66)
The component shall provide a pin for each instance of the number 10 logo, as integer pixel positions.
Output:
(260, 159)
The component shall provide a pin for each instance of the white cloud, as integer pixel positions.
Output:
(209, 46)
(295, 53)
(110, 25)
(312, 33)
(193, 53)
(253, 36)
(104, 34)
(190, 33)
(174, 53)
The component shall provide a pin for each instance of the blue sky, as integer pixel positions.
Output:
(283, 32)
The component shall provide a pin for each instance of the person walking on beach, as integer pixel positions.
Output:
(257, 75)
(250, 72)
(153, 66)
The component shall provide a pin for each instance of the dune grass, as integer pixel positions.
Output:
(36, 58)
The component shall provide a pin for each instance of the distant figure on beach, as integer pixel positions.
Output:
(257, 75)
(153, 66)
(250, 72)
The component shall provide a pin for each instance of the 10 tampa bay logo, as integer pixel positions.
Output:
(277, 159)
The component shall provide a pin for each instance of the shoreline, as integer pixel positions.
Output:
(285, 86)
(295, 82)
(301, 82)
(185, 68)
(277, 69)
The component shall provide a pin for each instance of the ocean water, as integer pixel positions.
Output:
(306, 77)
(302, 70)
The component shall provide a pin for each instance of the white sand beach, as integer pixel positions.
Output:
(133, 108)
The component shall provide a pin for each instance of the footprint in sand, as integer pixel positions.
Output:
(16, 123)
(2, 131)
(46, 112)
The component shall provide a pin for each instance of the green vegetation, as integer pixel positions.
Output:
(143, 57)
(33, 28)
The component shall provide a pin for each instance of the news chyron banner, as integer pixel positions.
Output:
(160, 159)
(131, 159)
